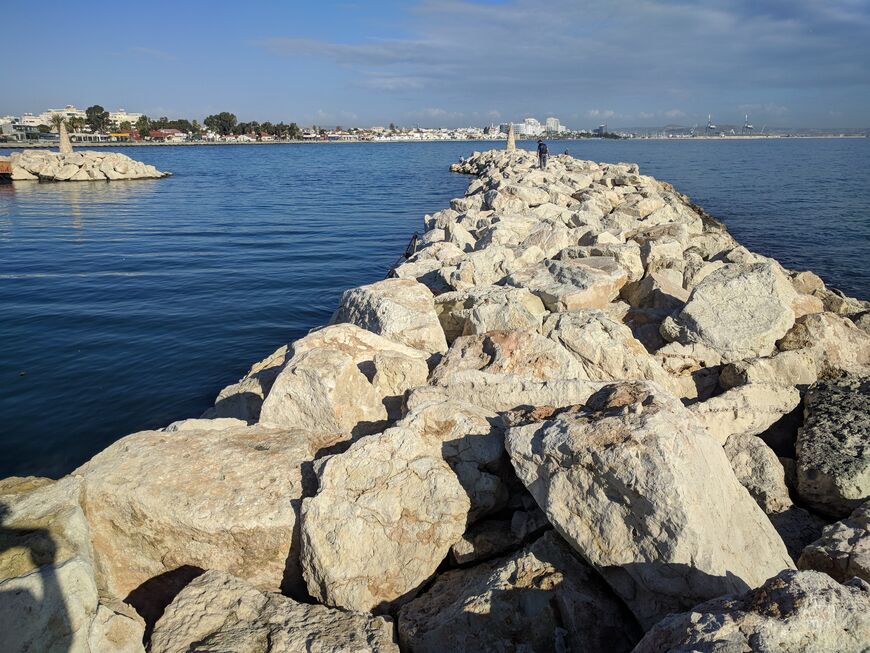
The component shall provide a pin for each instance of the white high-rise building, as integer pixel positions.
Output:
(532, 127)
(554, 126)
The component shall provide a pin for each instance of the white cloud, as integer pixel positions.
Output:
(675, 113)
(600, 113)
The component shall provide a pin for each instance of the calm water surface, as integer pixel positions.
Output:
(127, 305)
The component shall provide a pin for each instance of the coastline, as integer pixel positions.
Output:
(537, 293)
(85, 144)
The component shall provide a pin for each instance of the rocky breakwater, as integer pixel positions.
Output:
(44, 165)
(580, 417)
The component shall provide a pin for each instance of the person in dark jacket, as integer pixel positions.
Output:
(542, 155)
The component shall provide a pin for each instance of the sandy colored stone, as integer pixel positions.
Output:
(843, 551)
(219, 613)
(834, 342)
(796, 368)
(488, 308)
(398, 309)
(637, 486)
(739, 310)
(225, 499)
(244, 399)
(386, 514)
(793, 612)
(343, 379)
(573, 284)
(745, 410)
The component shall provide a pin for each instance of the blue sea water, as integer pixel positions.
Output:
(125, 306)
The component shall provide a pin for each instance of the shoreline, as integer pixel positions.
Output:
(584, 330)
(85, 144)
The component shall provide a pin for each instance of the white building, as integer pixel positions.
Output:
(121, 115)
(554, 126)
(69, 111)
(532, 127)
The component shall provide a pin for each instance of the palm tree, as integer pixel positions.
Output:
(56, 121)
(76, 123)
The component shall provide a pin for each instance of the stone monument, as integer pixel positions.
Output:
(511, 139)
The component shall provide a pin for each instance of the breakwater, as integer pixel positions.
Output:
(42, 165)
(568, 415)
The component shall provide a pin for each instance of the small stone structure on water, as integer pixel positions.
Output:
(44, 165)
(580, 417)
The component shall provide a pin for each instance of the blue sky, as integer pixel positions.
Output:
(451, 62)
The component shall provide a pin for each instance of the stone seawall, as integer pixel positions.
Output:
(579, 417)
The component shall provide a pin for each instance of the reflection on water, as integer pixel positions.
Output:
(127, 305)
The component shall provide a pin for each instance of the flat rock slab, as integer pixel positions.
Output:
(793, 612)
(833, 457)
(591, 282)
(539, 599)
(637, 486)
(219, 613)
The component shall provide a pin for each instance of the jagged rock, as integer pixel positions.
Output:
(843, 551)
(605, 349)
(401, 310)
(796, 368)
(540, 599)
(795, 611)
(833, 459)
(386, 514)
(471, 441)
(657, 291)
(625, 254)
(215, 424)
(745, 410)
(488, 308)
(244, 400)
(641, 491)
(739, 310)
(77, 166)
(343, 379)
(525, 354)
(572, 284)
(49, 596)
(228, 499)
(834, 342)
(218, 613)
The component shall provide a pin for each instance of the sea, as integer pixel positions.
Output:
(127, 305)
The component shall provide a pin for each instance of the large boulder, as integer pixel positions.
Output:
(162, 502)
(797, 368)
(488, 308)
(471, 441)
(642, 492)
(843, 550)
(794, 612)
(526, 354)
(385, 516)
(343, 379)
(833, 459)
(604, 348)
(539, 599)
(739, 310)
(218, 613)
(746, 409)
(398, 309)
(50, 599)
(833, 341)
(569, 285)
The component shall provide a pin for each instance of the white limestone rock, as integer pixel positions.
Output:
(225, 499)
(637, 486)
(739, 310)
(219, 613)
(591, 282)
(343, 379)
(834, 342)
(745, 410)
(401, 310)
(488, 308)
(793, 612)
(243, 400)
(386, 514)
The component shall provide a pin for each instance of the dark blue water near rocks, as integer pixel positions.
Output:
(125, 306)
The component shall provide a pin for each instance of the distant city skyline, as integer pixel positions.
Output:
(637, 63)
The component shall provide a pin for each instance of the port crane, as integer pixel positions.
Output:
(747, 126)
(710, 126)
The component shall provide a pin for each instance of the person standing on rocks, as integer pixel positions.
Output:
(542, 155)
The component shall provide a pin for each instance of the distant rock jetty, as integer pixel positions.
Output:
(79, 166)
(579, 417)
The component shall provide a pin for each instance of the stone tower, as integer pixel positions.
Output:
(65, 146)
(511, 139)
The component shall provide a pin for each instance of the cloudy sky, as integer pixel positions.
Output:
(452, 62)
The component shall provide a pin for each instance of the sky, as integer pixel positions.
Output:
(786, 63)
